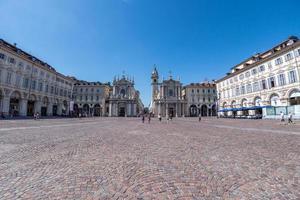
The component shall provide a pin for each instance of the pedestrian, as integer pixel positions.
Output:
(200, 117)
(143, 118)
(290, 118)
(159, 117)
(37, 115)
(171, 117)
(149, 118)
(281, 116)
(34, 115)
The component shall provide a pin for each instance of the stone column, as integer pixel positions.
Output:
(23, 107)
(49, 109)
(5, 105)
(129, 110)
(159, 108)
(134, 109)
(167, 110)
(59, 108)
(110, 109)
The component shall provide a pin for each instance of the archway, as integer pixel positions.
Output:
(76, 109)
(257, 103)
(86, 110)
(54, 107)
(204, 110)
(97, 110)
(294, 97)
(122, 110)
(30, 105)
(193, 111)
(274, 99)
(45, 103)
(244, 104)
(14, 103)
(233, 105)
(214, 110)
(65, 107)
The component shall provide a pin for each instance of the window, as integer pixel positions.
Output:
(33, 84)
(243, 89)
(11, 60)
(208, 99)
(86, 98)
(92, 98)
(65, 93)
(278, 61)
(235, 78)
(98, 90)
(97, 98)
(231, 81)
(292, 76)
(92, 89)
(263, 84)
(170, 93)
(18, 80)
(80, 89)
(288, 57)
(203, 99)
(80, 98)
(40, 86)
(198, 91)
(26, 83)
(254, 71)
(203, 91)
(86, 89)
(208, 91)
(2, 56)
(271, 82)
(261, 68)
(214, 91)
(47, 88)
(241, 77)
(52, 90)
(249, 88)
(248, 74)
(0, 75)
(269, 65)
(255, 87)
(8, 78)
(297, 52)
(237, 91)
(192, 91)
(281, 79)
(61, 92)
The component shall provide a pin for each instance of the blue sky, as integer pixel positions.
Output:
(95, 40)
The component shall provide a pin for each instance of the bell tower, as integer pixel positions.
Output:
(154, 78)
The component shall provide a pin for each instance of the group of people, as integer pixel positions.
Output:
(289, 118)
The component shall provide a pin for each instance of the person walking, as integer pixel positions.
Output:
(143, 118)
(290, 118)
(159, 117)
(200, 117)
(149, 118)
(281, 116)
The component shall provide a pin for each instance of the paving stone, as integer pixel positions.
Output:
(121, 158)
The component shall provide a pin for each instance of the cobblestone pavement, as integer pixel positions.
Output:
(109, 158)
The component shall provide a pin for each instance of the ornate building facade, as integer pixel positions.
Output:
(90, 98)
(201, 99)
(29, 85)
(167, 98)
(265, 84)
(124, 100)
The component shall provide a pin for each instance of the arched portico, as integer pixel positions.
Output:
(14, 103)
(30, 105)
(294, 97)
(193, 111)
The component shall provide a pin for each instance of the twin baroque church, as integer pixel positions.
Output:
(171, 99)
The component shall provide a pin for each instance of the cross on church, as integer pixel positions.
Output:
(170, 73)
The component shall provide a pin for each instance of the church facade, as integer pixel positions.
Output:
(167, 98)
(124, 100)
